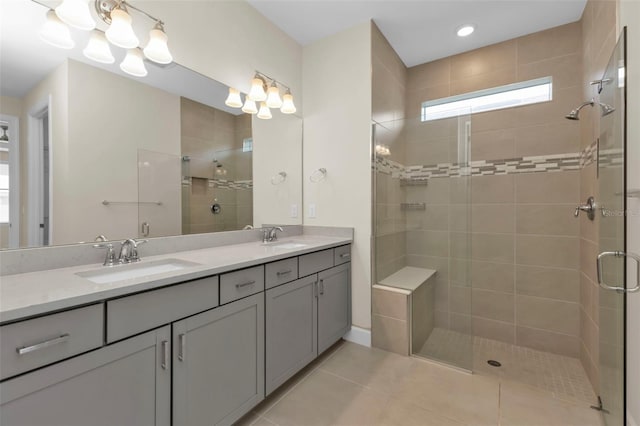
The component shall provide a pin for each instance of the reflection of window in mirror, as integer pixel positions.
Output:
(247, 145)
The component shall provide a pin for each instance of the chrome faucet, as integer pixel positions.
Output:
(129, 251)
(110, 258)
(269, 234)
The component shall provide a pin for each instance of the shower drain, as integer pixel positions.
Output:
(494, 363)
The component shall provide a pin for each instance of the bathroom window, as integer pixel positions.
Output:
(4, 192)
(511, 95)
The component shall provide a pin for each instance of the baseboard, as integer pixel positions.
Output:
(630, 420)
(361, 336)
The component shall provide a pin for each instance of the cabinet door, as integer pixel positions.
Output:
(334, 305)
(127, 383)
(291, 314)
(218, 364)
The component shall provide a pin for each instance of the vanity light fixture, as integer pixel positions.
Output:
(233, 100)
(98, 48)
(76, 14)
(114, 13)
(265, 112)
(56, 33)
(465, 30)
(269, 99)
(133, 63)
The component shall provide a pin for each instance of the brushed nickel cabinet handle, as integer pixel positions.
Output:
(182, 346)
(321, 285)
(46, 344)
(165, 354)
(245, 284)
(279, 273)
(344, 255)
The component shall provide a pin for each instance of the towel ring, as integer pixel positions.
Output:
(318, 175)
(279, 178)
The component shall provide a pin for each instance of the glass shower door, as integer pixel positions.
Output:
(613, 258)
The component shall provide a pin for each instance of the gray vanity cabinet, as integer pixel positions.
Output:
(127, 383)
(334, 305)
(218, 363)
(291, 330)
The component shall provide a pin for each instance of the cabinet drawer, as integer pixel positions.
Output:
(342, 254)
(40, 341)
(281, 272)
(141, 312)
(314, 262)
(239, 284)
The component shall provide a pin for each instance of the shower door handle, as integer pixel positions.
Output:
(618, 254)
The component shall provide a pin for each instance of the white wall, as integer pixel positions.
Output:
(337, 136)
(228, 41)
(629, 15)
(277, 147)
(110, 118)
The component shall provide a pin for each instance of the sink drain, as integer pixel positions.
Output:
(494, 363)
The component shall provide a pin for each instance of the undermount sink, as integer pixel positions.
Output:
(136, 270)
(288, 245)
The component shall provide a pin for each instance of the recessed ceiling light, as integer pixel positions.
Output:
(465, 30)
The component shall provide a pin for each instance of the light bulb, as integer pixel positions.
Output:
(249, 106)
(157, 49)
(56, 33)
(133, 63)
(465, 30)
(120, 31)
(273, 97)
(257, 92)
(233, 100)
(265, 112)
(98, 49)
(287, 104)
(76, 13)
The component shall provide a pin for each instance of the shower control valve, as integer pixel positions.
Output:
(589, 208)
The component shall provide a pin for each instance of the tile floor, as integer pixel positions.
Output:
(355, 385)
(563, 376)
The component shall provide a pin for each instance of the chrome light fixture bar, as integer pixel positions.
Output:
(114, 13)
(265, 93)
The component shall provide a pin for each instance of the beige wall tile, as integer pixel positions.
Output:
(496, 218)
(493, 144)
(493, 305)
(428, 243)
(588, 255)
(557, 41)
(496, 330)
(546, 139)
(390, 304)
(562, 69)
(493, 189)
(390, 334)
(546, 188)
(430, 74)
(484, 60)
(493, 276)
(557, 343)
(433, 218)
(548, 314)
(547, 219)
(561, 252)
(552, 283)
(492, 247)
(460, 299)
(495, 78)
(422, 314)
(460, 323)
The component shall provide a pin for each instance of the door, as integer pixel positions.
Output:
(334, 305)
(218, 363)
(127, 383)
(613, 258)
(9, 182)
(291, 336)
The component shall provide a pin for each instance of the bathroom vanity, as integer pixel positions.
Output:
(200, 345)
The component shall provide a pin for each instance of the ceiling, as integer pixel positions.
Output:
(421, 30)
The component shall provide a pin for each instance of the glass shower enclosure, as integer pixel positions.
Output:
(422, 223)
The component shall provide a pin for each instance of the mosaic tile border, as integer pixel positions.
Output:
(412, 175)
(223, 183)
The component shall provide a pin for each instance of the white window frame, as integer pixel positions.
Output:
(14, 179)
(501, 97)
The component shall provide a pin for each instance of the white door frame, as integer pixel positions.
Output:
(35, 193)
(14, 179)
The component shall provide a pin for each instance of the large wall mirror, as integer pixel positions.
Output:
(88, 150)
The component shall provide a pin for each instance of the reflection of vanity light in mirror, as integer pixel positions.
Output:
(383, 150)
(279, 178)
(269, 98)
(120, 33)
(219, 168)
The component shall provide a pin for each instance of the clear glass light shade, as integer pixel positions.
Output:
(257, 92)
(76, 13)
(55, 32)
(287, 104)
(273, 97)
(120, 31)
(265, 112)
(133, 63)
(98, 49)
(233, 100)
(249, 106)
(157, 49)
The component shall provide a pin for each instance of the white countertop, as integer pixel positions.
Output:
(408, 278)
(35, 293)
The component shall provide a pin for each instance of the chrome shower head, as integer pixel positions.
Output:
(606, 109)
(574, 114)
